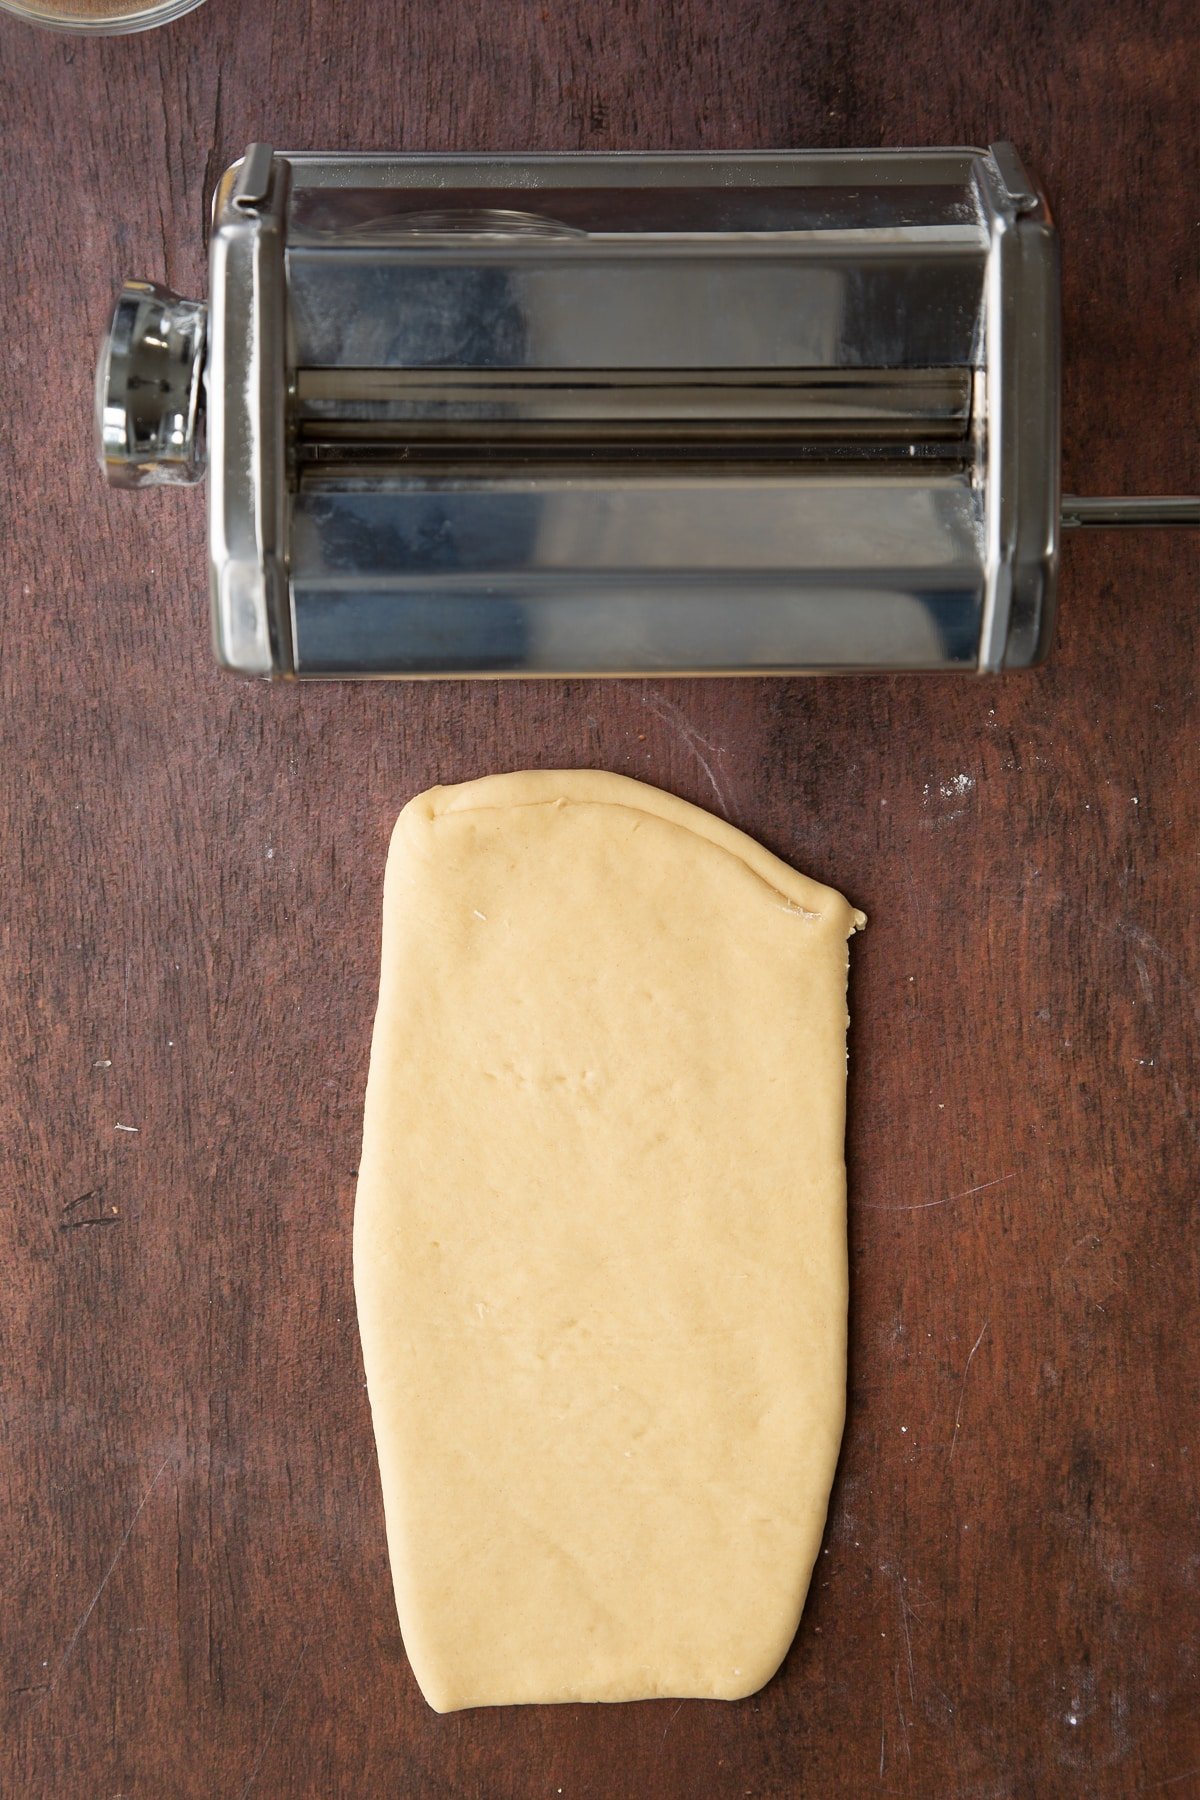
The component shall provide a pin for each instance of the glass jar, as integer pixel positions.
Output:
(105, 18)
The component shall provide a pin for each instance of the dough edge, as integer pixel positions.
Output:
(602, 787)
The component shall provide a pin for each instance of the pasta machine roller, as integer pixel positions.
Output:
(534, 415)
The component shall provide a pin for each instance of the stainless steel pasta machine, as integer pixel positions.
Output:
(532, 415)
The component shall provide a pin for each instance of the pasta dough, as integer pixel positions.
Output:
(600, 1240)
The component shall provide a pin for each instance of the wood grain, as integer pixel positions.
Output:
(195, 1594)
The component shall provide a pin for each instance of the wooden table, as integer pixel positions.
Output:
(195, 1592)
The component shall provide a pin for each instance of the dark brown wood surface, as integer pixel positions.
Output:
(194, 1596)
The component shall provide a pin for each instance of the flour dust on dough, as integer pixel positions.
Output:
(600, 1241)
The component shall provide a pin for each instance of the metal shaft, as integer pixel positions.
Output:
(1141, 509)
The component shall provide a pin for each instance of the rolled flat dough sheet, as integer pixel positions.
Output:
(600, 1241)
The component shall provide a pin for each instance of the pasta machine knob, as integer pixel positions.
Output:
(149, 389)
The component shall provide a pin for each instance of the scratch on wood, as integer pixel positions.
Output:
(90, 1608)
(1089, 1237)
(66, 1224)
(671, 1721)
(79, 1199)
(912, 1686)
(1141, 941)
(900, 1710)
(963, 1389)
(1181, 1103)
(670, 714)
(947, 1200)
(1145, 983)
(283, 1700)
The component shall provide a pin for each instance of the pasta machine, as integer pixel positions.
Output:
(611, 414)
